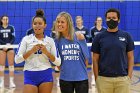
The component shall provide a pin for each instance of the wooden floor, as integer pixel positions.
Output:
(19, 83)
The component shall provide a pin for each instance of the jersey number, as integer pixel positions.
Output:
(38, 52)
(5, 35)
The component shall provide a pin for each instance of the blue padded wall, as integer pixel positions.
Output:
(21, 12)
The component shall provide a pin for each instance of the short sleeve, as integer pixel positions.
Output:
(96, 45)
(130, 43)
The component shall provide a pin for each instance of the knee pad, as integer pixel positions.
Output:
(2, 68)
(11, 68)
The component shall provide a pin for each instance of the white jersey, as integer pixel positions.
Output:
(37, 61)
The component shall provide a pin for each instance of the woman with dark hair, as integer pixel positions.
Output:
(37, 51)
(97, 28)
(7, 37)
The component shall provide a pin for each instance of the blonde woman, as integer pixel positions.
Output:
(81, 28)
(74, 54)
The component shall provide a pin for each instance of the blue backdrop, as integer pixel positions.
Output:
(21, 12)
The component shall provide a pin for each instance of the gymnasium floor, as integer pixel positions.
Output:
(19, 83)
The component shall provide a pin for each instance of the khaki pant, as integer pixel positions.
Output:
(113, 84)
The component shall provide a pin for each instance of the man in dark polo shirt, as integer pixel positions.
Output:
(113, 58)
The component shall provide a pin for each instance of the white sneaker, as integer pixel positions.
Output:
(92, 81)
(12, 84)
(57, 82)
(2, 84)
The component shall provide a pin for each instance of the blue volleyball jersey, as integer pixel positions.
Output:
(94, 31)
(7, 35)
(113, 48)
(30, 31)
(73, 55)
(36, 61)
(83, 31)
